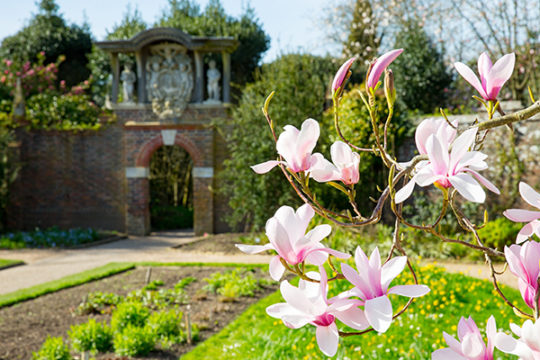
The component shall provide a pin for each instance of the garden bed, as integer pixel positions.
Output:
(222, 243)
(25, 326)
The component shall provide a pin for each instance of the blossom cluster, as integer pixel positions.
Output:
(450, 161)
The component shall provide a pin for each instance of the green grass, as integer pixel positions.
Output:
(65, 282)
(414, 335)
(6, 263)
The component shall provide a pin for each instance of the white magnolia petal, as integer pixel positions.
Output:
(519, 215)
(468, 187)
(409, 290)
(296, 297)
(405, 192)
(391, 269)
(461, 146)
(328, 339)
(379, 313)
(446, 354)
(509, 345)
(452, 342)
(470, 77)
(266, 166)
(529, 195)
(253, 249)
(354, 318)
(488, 184)
(276, 268)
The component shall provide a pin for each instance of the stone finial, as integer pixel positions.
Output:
(19, 106)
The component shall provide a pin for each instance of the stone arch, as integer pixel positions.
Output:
(138, 211)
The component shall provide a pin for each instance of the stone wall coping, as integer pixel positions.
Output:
(148, 106)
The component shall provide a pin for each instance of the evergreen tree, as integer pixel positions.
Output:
(362, 40)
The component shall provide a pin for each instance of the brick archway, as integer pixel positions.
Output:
(138, 188)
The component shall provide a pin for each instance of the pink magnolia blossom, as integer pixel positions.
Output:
(286, 231)
(434, 126)
(492, 77)
(344, 167)
(295, 146)
(371, 283)
(380, 64)
(342, 74)
(532, 217)
(524, 262)
(470, 346)
(528, 345)
(458, 169)
(308, 304)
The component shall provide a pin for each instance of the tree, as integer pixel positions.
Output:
(363, 40)
(48, 32)
(253, 197)
(213, 21)
(420, 71)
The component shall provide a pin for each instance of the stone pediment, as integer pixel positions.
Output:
(161, 34)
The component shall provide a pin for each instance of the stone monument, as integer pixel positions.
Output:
(213, 75)
(128, 80)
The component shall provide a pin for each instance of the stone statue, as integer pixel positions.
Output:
(128, 80)
(19, 108)
(169, 79)
(213, 75)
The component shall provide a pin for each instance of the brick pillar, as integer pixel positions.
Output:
(203, 200)
(138, 200)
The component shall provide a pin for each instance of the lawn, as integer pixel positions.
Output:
(414, 335)
(6, 263)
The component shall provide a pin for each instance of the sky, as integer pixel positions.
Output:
(292, 24)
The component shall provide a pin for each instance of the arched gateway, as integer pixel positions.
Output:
(170, 99)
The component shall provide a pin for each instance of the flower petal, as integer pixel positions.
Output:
(470, 77)
(405, 192)
(500, 72)
(527, 231)
(323, 170)
(279, 239)
(291, 317)
(276, 268)
(379, 313)
(308, 136)
(328, 339)
(461, 146)
(446, 354)
(353, 317)
(266, 166)
(484, 66)
(380, 64)
(391, 269)
(438, 155)
(409, 290)
(519, 215)
(467, 186)
(529, 195)
(509, 345)
(296, 298)
(488, 184)
(253, 249)
(341, 74)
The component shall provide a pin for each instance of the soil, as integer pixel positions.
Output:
(222, 243)
(25, 326)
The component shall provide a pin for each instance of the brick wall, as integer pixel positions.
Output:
(69, 179)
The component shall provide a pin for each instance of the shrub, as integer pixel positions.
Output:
(500, 232)
(129, 313)
(134, 341)
(91, 336)
(52, 349)
(253, 197)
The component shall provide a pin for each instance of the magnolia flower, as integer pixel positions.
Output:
(342, 75)
(524, 262)
(533, 217)
(295, 146)
(371, 285)
(308, 304)
(378, 67)
(492, 77)
(344, 167)
(528, 345)
(286, 231)
(457, 169)
(470, 346)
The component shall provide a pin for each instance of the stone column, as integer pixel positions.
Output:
(141, 78)
(115, 65)
(138, 200)
(199, 78)
(203, 200)
(226, 57)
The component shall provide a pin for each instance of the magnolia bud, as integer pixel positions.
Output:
(389, 90)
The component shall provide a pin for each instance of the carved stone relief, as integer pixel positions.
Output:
(169, 79)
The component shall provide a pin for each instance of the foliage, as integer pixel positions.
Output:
(184, 282)
(187, 16)
(355, 125)
(419, 331)
(158, 299)
(48, 33)
(362, 39)
(52, 349)
(153, 285)
(98, 302)
(134, 341)
(91, 336)
(232, 284)
(52, 237)
(253, 197)
(166, 326)
(421, 76)
(499, 233)
(9, 170)
(129, 313)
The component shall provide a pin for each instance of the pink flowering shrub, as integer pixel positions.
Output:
(450, 158)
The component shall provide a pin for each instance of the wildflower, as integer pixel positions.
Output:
(492, 77)
(533, 217)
